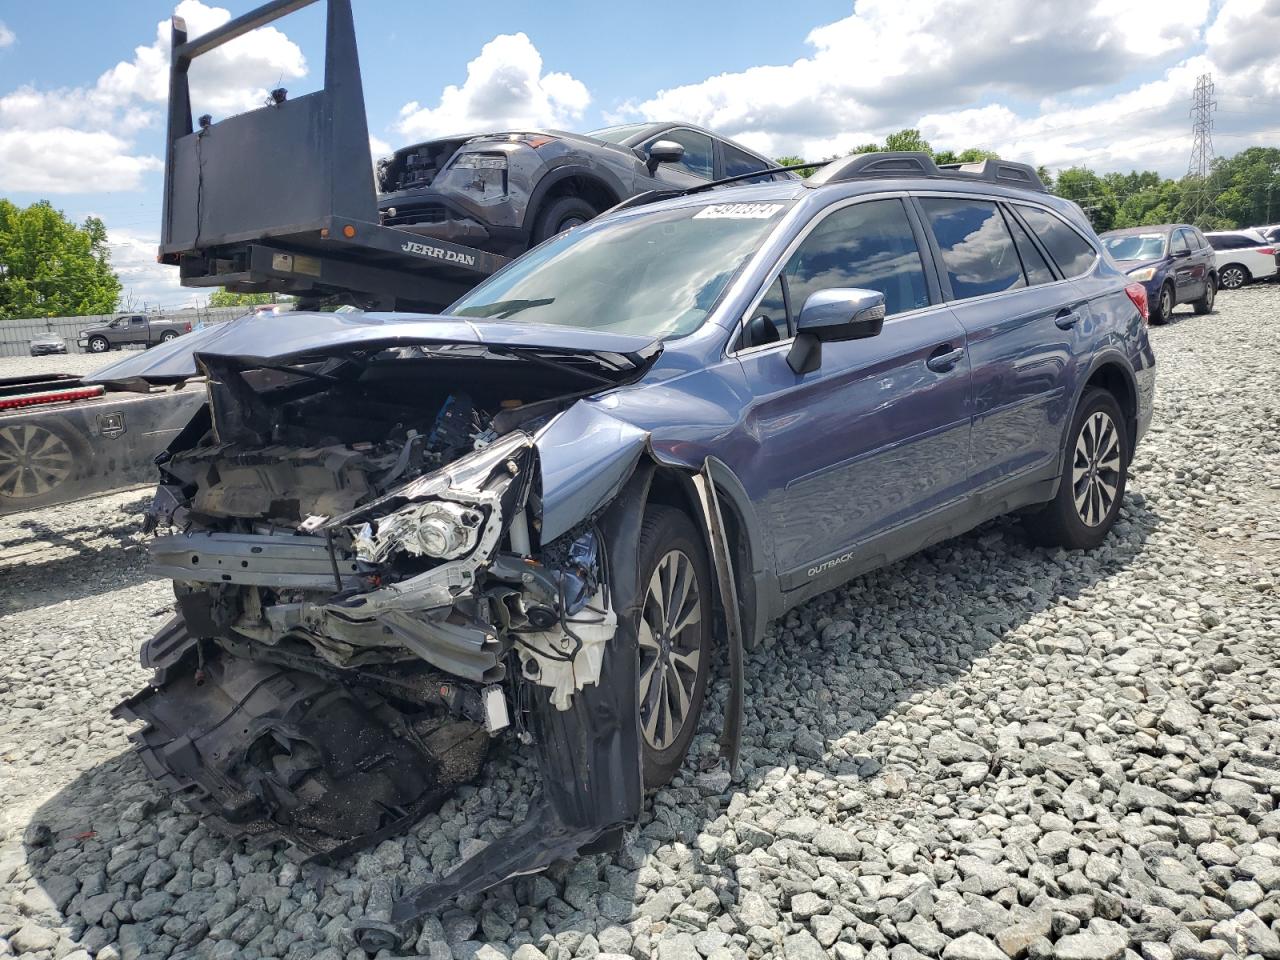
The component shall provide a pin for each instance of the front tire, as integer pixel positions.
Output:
(1233, 276)
(1205, 304)
(98, 345)
(674, 634)
(1095, 471)
(561, 214)
(1162, 309)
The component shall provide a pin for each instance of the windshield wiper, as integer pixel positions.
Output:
(557, 365)
(504, 309)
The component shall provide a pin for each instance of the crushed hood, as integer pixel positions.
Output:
(292, 337)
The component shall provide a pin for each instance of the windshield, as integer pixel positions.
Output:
(618, 134)
(657, 273)
(1136, 246)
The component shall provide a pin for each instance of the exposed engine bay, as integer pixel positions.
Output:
(364, 600)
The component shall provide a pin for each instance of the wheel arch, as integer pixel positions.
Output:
(573, 180)
(1111, 373)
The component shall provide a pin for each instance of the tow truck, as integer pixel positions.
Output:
(281, 200)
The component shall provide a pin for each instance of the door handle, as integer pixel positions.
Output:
(944, 358)
(1066, 319)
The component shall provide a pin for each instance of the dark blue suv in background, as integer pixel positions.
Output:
(532, 515)
(1173, 261)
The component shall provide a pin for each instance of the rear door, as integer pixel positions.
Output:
(1023, 322)
(875, 440)
(1186, 284)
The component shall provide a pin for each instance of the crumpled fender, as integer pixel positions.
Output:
(586, 457)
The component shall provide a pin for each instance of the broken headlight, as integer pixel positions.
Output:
(440, 529)
(481, 161)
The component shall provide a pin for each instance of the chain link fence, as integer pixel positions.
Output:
(16, 335)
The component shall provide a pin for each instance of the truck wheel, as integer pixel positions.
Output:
(1095, 469)
(35, 461)
(560, 215)
(675, 639)
(98, 345)
(167, 336)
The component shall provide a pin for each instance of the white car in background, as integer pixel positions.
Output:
(1243, 256)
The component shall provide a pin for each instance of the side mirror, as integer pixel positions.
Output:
(841, 313)
(663, 151)
(1181, 254)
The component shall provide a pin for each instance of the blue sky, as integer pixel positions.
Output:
(1102, 82)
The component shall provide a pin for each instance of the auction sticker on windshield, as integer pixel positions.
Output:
(738, 211)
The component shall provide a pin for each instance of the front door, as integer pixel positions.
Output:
(876, 438)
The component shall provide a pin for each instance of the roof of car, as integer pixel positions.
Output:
(1250, 232)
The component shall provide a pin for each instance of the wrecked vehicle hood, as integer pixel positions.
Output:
(290, 337)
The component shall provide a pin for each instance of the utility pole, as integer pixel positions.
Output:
(1201, 164)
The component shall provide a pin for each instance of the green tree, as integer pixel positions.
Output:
(49, 267)
(225, 298)
(791, 162)
(907, 139)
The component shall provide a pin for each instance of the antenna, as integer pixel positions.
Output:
(1201, 164)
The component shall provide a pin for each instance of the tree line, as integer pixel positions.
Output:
(1240, 191)
(52, 267)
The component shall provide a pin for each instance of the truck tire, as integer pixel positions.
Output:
(99, 345)
(168, 335)
(36, 460)
(561, 214)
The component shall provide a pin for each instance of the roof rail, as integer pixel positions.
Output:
(918, 164)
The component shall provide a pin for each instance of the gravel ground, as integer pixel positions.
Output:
(77, 363)
(987, 751)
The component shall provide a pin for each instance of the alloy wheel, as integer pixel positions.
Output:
(1210, 292)
(1232, 278)
(1166, 302)
(98, 346)
(670, 648)
(32, 461)
(1095, 468)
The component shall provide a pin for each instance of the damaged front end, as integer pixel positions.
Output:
(367, 594)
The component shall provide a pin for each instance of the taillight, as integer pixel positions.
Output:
(1269, 251)
(1138, 294)
(188, 326)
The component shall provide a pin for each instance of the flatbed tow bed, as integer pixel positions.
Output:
(62, 439)
(279, 200)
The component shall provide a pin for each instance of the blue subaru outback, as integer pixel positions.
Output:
(394, 538)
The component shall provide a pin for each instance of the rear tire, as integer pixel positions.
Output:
(674, 631)
(1163, 307)
(168, 335)
(1233, 276)
(1095, 470)
(561, 214)
(1205, 304)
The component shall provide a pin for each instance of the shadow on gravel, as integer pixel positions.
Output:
(89, 558)
(830, 672)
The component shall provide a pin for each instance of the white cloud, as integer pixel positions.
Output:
(505, 88)
(143, 282)
(961, 70)
(65, 160)
(80, 140)
(7, 36)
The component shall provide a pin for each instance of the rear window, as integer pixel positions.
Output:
(1231, 241)
(977, 249)
(1073, 254)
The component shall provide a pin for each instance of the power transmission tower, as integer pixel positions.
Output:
(1201, 165)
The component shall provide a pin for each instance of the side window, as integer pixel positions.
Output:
(1220, 243)
(697, 158)
(737, 163)
(1033, 263)
(977, 249)
(867, 245)
(1179, 244)
(1201, 242)
(1073, 254)
(137, 321)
